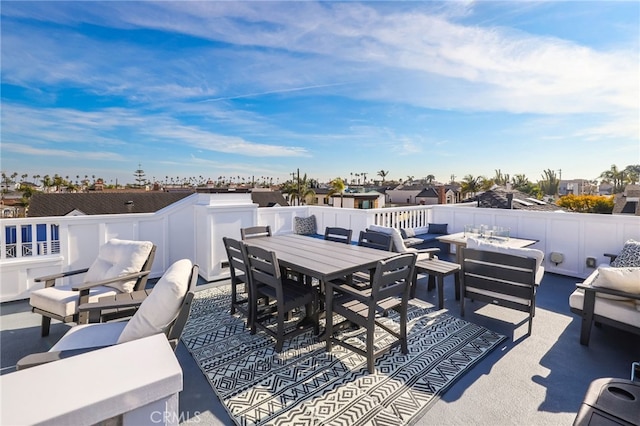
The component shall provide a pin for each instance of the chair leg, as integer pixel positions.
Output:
(280, 332)
(328, 328)
(370, 361)
(403, 330)
(46, 325)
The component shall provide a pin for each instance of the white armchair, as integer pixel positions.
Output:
(122, 266)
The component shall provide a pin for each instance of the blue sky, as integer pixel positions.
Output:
(335, 88)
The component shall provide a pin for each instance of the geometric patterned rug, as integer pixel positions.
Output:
(305, 385)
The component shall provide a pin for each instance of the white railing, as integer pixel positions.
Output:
(193, 228)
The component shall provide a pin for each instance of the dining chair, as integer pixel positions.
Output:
(240, 300)
(376, 240)
(286, 294)
(389, 290)
(255, 232)
(339, 235)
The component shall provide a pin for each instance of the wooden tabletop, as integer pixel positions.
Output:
(314, 257)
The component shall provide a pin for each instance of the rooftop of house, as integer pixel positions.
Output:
(539, 379)
(628, 202)
(94, 203)
(498, 198)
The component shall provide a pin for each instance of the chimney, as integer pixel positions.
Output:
(510, 200)
(441, 197)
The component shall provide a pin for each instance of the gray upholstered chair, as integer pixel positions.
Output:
(611, 294)
(165, 310)
(389, 290)
(122, 266)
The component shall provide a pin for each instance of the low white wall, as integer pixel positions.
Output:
(98, 385)
(193, 228)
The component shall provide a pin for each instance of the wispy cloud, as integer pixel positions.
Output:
(49, 152)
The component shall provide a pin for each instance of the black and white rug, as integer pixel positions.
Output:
(305, 385)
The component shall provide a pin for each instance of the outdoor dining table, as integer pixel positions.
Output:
(459, 239)
(318, 258)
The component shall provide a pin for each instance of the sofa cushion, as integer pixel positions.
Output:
(305, 225)
(90, 336)
(475, 243)
(62, 300)
(629, 256)
(620, 310)
(438, 228)
(621, 279)
(407, 233)
(410, 242)
(162, 305)
(119, 257)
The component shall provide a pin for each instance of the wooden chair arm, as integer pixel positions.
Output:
(364, 295)
(86, 286)
(604, 290)
(49, 280)
(112, 304)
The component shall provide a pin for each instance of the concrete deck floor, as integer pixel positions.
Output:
(532, 380)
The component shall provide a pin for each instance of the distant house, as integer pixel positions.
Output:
(92, 203)
(628, 202)
(359, 200)
(425, 195)
(501, 198)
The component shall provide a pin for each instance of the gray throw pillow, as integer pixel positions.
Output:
(438, 228)
(305, 225)
(407, 233)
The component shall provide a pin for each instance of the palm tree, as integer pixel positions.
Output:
(410, 179)
(383, 174)
(519, 181)
(469, 185)
(337, 187)
(430, 179)
(501, 179)
(550, 183)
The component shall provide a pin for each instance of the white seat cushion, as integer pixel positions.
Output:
(119, 257)
(90, 336)
(62, 300)
(621, 279)
(620, 310)
(161, 307)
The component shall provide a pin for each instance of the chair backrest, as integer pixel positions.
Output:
(375, 240)
(340, 235)
(141, 282)
(174, 331)
(392, 277)
(509, 278)
(255, 231)
(264, 269)
(234, 249)
(396, 238)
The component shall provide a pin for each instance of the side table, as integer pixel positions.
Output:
(437, 269)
